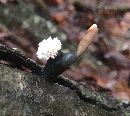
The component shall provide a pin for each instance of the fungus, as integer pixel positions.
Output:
(48, 48)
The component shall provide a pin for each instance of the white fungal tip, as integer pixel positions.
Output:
(94, 26)
(48, 48)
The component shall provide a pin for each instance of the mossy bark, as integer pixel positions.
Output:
(25, 94)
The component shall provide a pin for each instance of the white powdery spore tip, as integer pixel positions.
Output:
(48, 48)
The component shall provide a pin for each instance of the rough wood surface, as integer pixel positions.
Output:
(24, 94)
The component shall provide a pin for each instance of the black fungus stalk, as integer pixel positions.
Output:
(55, 67)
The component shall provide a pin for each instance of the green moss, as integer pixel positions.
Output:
(99, 98)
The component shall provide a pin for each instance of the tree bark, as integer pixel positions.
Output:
(25, 94)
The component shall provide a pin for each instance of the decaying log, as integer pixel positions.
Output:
(31, 94)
